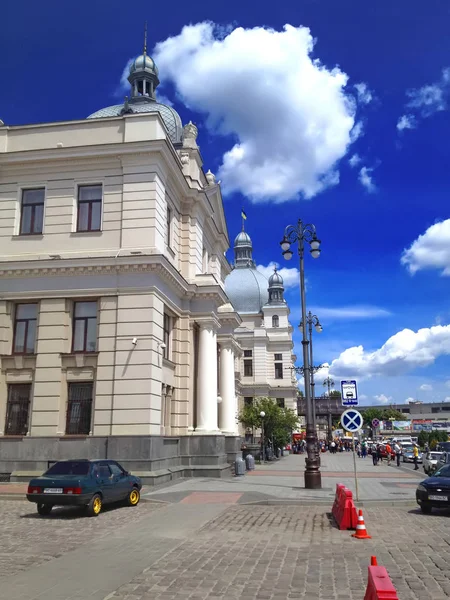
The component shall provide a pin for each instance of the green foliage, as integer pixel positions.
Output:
(432, 438)
(382, 414)
(279, 423)
(392, 414)
(335, 394)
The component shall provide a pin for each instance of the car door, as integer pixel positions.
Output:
(105, 480)
(121, 485)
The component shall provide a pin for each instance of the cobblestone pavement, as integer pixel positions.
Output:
(279, 553)
(26, 539)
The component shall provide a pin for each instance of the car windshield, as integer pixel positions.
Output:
(443, 472)
(69, 467)
(435, 455)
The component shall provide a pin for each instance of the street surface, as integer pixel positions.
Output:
(199, 541)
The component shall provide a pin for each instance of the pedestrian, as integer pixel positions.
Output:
(398, 452)
(374, 457)
(379, 454)
(364, 449)
(388, 453)
(333, 447)
(416, 457)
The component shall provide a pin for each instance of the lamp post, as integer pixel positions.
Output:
(329, 383)
(313, 320)
(262, 414)
(301, 233)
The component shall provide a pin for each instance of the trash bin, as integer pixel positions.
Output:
(250, 462)
(239, 466)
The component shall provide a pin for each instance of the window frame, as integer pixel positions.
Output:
(26, 321)
(86, 325)
(278, 370)
(275, 321)
(33, 211)
(70, 401)
(248, 367)
(167, 334)
(90, 202)
(169, 217)
(9, 403)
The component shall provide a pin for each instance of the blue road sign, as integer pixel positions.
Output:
(349, 393)
(351, 420)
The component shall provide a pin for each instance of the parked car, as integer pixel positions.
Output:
(89, 483)
(384, 452)
(408, 453)
(434, 491)
(444, 459)
(443, 446)
(430, 461)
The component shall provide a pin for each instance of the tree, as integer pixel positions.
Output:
(374, 412)
(392, 414)
(335, 394)
(278, 422)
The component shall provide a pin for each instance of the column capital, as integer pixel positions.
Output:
(208, 322)
(229, 343)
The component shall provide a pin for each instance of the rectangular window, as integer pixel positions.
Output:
(79, 408)
(278, 357)
(248, 401)
(248, 354)
(280, 402)
(25, 328)
(167, 328)
(17, 409)
(278, 370)
(84, 327)
(248, 368)
(32, 212)
(89, 208)
(168, 226)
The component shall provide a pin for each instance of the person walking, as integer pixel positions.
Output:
(364, 450)
(416, 457)
(374, 457)
(379, 454)
(388, 453)
(398, 452)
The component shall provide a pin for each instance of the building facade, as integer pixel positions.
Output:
(115, 333)
(265, 334)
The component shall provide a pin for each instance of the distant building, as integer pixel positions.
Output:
(265, 333)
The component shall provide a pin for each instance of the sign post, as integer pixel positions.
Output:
(349, 393)
(352, 421)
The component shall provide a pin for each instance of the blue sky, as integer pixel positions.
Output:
(345, 126)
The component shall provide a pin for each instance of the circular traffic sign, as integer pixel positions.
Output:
(351, 420)
(375, 423)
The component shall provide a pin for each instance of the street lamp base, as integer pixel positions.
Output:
(313, 480)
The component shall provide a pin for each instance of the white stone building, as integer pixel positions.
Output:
(265, 334)
(116, 339)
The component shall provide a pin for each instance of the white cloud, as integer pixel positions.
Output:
(426, 101)
(351, 312)
(406, 122)
(426, 387)
(431, 250)
(290, 276)
(292, 117)
(354, 160)
(410, 399)
(403, 352)
(363, 397)
(447, 399)
(447, 383)
(366, 179)
(357, 131)
(364, 94)
(382, 399)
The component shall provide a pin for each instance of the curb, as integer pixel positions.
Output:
(322, 501)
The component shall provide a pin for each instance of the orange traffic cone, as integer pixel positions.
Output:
(373, 561)
(361, 531)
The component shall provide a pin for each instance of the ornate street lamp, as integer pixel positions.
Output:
(262, 414)
(301, 233)
(313, 320)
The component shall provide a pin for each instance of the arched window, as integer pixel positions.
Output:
(275, 321)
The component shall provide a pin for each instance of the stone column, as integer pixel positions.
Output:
(207, 379)
(228, 406)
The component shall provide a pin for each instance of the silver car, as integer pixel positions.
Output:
(430, 461)
(408, 453)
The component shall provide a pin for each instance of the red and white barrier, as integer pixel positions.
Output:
(344, 510)
(379, 584)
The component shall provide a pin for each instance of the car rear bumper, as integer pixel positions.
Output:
(60, 499)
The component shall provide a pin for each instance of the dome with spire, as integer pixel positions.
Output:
(143, 78)
(276, 288)
(245, 286)
(275, 279)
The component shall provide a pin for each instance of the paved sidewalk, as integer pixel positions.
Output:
(282, 481)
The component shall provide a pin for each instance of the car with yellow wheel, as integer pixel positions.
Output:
(88, 483)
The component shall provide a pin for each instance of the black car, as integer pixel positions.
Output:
(89, 483)
(434, 491)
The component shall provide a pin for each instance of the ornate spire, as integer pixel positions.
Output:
(145, 40)
(276, 288)
(143, 76)
(243, 251)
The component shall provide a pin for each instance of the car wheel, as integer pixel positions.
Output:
(133, 497)
(44, 509)
(426, 509)
(95, 506)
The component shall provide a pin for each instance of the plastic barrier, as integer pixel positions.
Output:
(379, 585)
(344, 510)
